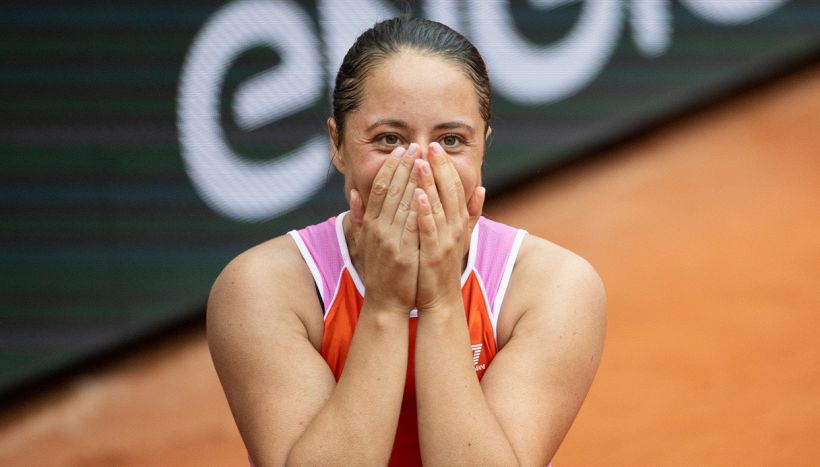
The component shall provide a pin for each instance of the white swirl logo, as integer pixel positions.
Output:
(523, 72)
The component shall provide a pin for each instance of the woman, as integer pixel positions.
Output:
(505, 330)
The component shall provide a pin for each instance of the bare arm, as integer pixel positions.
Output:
(536, 384)
(533, 389)
(265, 327)
(283, 396)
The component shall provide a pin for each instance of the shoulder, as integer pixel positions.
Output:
(259, 287)
(566, 275)
(257, 271)
(554, 287)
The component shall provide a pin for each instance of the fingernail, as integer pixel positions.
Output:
(437, 149)
(420, 195)
(425, 168)
(482, 190)
(413, 149)
(398, 152)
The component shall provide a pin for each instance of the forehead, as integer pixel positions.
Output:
(419, 85)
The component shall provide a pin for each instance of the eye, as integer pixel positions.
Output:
(451, 141)
(389, 139)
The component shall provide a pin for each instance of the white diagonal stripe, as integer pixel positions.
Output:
(476, 352)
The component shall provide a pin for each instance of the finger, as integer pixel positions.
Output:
(405, 206)
(381, 184)
(448, 182)
(475, 205)
(428, 184)
(356, 209)
(428, 238)
(398, 185)
(410, 233)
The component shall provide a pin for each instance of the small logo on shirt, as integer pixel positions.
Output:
(476, 354)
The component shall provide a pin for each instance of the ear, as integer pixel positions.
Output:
(487, 141)
(335, 153)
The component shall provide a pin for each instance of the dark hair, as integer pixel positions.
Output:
(391, 36)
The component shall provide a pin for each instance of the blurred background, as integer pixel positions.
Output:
(674, 144)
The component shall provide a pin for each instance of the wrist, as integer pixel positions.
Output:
(443, 307)
(443, 325)
(387, 311)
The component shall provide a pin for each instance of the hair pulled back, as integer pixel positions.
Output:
(395, 35)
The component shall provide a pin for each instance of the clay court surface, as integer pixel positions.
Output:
(707, 235)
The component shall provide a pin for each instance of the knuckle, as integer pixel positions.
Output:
(426, 182)
(395, 190)
(376, 233)
(379, 188)
(435, 261)
(455, 187)
(404, 261)
(463, 218)
(383, 231)
(411, 227)
(390, 163)
(405, 205)
(407, 160)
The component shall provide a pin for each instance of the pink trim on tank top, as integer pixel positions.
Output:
(495, 242)
(321, 242)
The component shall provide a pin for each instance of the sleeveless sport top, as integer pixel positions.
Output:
(493, 250)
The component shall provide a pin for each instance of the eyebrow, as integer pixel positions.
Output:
(396, 123)
(389, 122)
(456, 125)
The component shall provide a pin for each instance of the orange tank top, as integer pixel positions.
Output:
(493, 249)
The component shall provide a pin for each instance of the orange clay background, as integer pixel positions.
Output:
(707, 235)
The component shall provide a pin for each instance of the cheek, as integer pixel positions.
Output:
(363, 175)
(470, 178)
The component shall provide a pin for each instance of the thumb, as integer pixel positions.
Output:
(475, 205)
(356, 210)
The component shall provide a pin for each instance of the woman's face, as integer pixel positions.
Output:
(412, 98)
